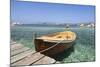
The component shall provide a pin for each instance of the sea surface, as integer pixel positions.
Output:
(84, 47)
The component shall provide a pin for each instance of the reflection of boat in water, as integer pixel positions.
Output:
(63, 40)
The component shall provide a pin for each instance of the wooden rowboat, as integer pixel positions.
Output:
(62, 40)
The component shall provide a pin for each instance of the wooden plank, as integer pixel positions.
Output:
(12, 43)
(29, 59)
(45, 60)
(21, 56)
(16, 46)
(19, 51)
(57, 62)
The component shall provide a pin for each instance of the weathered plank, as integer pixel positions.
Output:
(19, 51)
(57, 62)
(12, 42)
(21, 56)
(16, 46)
(29, 59)
(45, 60)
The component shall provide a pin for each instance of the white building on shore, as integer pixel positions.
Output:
(16, 23)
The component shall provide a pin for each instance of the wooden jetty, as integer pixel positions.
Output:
(21, 55)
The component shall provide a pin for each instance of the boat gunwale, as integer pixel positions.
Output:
(57, 40)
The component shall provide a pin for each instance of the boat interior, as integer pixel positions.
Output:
(66, 36)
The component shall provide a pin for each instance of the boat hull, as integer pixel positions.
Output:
(42, 45)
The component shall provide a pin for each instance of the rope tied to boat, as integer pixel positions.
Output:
(51, 46)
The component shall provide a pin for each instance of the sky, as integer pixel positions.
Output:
(39, 12)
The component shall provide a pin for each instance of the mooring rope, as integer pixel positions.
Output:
(51, 46)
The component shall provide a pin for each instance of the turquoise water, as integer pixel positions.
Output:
(84, 48)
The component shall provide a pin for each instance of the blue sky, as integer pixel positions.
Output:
(35, 12)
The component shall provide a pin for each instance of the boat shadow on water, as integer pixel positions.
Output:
(66, 53)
